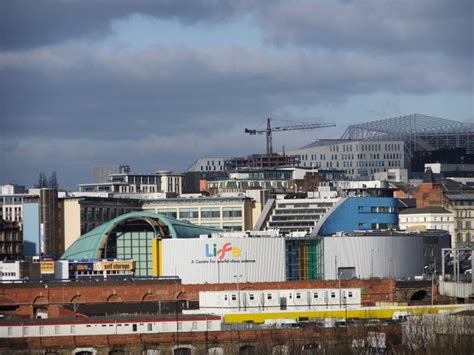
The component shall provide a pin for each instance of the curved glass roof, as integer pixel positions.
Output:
(88, 246)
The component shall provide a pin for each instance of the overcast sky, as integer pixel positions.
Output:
(158, 84)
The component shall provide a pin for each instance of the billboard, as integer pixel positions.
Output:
(47, 267)
(224, 260)
(114, 266)
(85, 266)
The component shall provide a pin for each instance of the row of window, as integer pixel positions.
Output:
(206, 213)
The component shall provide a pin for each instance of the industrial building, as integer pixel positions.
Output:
(260, 258)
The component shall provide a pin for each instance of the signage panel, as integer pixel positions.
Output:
(224, 260)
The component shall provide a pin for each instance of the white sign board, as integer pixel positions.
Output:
(224, 260)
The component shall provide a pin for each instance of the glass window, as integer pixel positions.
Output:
(232, 212)
(210, 213)
(169, 212)
(189, 213)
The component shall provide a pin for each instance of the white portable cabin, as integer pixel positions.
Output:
(220, 302)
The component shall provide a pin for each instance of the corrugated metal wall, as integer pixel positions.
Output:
(387, 256)
(193, 260)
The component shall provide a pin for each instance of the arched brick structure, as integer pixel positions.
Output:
(40, 300)
(114, 298)
(149, 297)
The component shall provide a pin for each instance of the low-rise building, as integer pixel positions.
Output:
(229, 213)
(461, 204)
(422, 219)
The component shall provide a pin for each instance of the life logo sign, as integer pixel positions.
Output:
(212, 251)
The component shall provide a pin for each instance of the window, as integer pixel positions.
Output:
(234, 297)
(315, 295)
(349, 294)
(232, 212)
(333, 294)
(269, 296)
(169, 212)
(251, 297)
(134, 327)
(189, 213)
(298, 295)
(210, 213)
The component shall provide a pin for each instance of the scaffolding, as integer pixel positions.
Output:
(419, 132)
(304, 259)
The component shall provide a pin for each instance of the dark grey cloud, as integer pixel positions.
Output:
(443, 26)
(26, 23)
(67, 103)
(70, 91)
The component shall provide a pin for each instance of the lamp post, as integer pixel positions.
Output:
(432, 282)
(237, 277)
(339, 274)
(372, 262)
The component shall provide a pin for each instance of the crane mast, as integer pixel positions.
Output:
(268, 131)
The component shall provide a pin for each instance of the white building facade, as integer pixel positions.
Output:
(208, 165)
(299, 215)
(421, 219)
(359, 159)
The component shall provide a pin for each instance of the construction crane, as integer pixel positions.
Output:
(268, 131)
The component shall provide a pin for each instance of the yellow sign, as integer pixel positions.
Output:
(47, 267)
(114, 266)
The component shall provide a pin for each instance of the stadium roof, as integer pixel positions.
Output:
(406, 125)
(89, 245)
(420, 132)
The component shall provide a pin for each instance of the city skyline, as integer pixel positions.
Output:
(158, 85)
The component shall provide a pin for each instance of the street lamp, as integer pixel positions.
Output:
(432, 282)
(339, 274)
(372, 262)
(237, 277)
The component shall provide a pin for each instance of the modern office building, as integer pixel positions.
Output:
(132, 183)
(359, 213)
(207, 165)
(358, 159)
(299, 214)
(11, 207)
(101, 174)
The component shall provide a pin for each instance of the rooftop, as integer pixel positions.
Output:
(431, 209)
